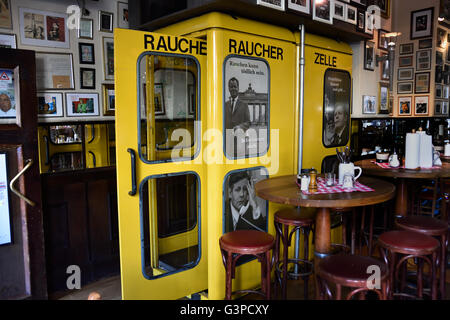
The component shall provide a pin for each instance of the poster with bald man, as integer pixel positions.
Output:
(336, 112)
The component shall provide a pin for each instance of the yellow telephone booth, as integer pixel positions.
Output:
(208, 107)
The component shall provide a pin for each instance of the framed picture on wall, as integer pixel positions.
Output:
(5, 14)
(422, 82)
(383, 98)
(405, 61)
(300, 5)
(404, 106)
(105, 21)
(8, 41)
(339, 10)
(406, 48)
(43, 28)
(438, 91)
(86, 53)
(385, 70)
(369, 26)
(438, 107)
(109, 99)
(361, 21)
(54, 71)
(422, 23)
(122, 15)
(425, 43)
(404, 87)
(352, 14)
(439, 58)
(87, 78)
(423, 60)
(322, 11)
(274, 4)
(82, 104)
(50, 104)
(86, 29)
(369, 105)
(382, 40)
(108, 58)
(385, 7)
(405, 74)
(421, 105)
(441, 38)
(159, 99)
(369, 55)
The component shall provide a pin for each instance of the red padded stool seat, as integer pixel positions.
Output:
(431, 227)
(302, 220)
(350, 271)
(407, 245)
(236, 244)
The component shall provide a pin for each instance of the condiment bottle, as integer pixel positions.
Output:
(313, 182)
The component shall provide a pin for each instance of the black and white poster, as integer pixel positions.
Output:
(246, 107)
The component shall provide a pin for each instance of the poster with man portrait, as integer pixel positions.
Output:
(7, 94)
(336, 108)
(245, 107)
(243, 210)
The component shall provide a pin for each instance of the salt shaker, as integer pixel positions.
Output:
(304, 182)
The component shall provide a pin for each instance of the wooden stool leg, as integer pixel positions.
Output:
(433, 277)
(285, 262)
(277, 255)
(361, 234)
(372, 209)
(306, 256)
(353, 235)
(443, 266)
(229, 263)
(391, 273)
(267, 275)
(419, 278)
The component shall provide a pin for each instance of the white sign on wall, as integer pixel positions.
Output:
(5, 224)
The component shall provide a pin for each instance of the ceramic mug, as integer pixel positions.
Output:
(348, 168)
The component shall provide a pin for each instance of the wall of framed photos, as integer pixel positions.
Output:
(74, 66)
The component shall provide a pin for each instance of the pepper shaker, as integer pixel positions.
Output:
(313, 182)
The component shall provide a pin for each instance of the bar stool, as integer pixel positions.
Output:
(351, 271)
(431, 227)
(302, 220)
(407, 245)
(236, 244)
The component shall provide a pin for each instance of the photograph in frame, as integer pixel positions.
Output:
(87, 78)
(445, 108)
(43, 28)
(160, 108)
(352, 14)
(8, 41)
(339, 10)
(404, 87)
(406, 48)
(86, 53)
(405, 61)
(438, 74)
(404, 106)
(5, 14)
(422, 23)
(8, 94)
(369, 55)
(423, 60)
(82, 104)
(383, 98)
(369, 27)
(438, 107)
(422, 82)
(382, 40)
(108, 58)
(105, 21)
(369, 104)
(385, 7)
(322, 11)
(109, 99)
(439, 58)
(122, 15)
(50, 104)
(300, 5)
(54, 71)
(438, 91)
(274, 4)
(446, 92)
(86, 30)
(425, 43)
(421, 105)
(441, 38)
(405, 74)
(385, 70)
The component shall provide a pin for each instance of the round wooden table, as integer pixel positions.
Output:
(401, 200)
(284, 190)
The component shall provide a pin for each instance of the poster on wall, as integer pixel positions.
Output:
(7, 94)
(43, 28)
(336, 113)
(246, 107)
(5, 221)
(108, 58)
(50, 104)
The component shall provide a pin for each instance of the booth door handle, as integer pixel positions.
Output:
(17, 192)
(47, 152)
(94, 162)
(133, 172)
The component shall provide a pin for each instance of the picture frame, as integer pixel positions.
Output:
(406, 49)
(423, 60)
(274, 4)
(382, 41)
(369, 55)
(383, 98)
(446, 74)
(422, 23)
(105, 21)
(5, 14)
(422, 82)
(8, 40)
(86, 29)
(82, 104)
(404, 106)
(159, 99)
(425, 43)
(441, 38)
(405, 61)
(404, 87)
(369, 105)
(322, 11)
(9, 93)
(352, 14)
(385, 7)
(384, 70)
(50, 104)
(438, 74)
(438, 106)
(361, 21)
(446, 92)
(439, 58)
(362, 3)
(108, 58)
(54, 71)
(86, 53)
(447, 56)
(421, 105)
(405, 74)
(43, 28)
(109, 99)
(122, 15)
(438, 91)
(368, 23)
(300, 6)
(339, 10)
(87, 78)
(445, 108)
